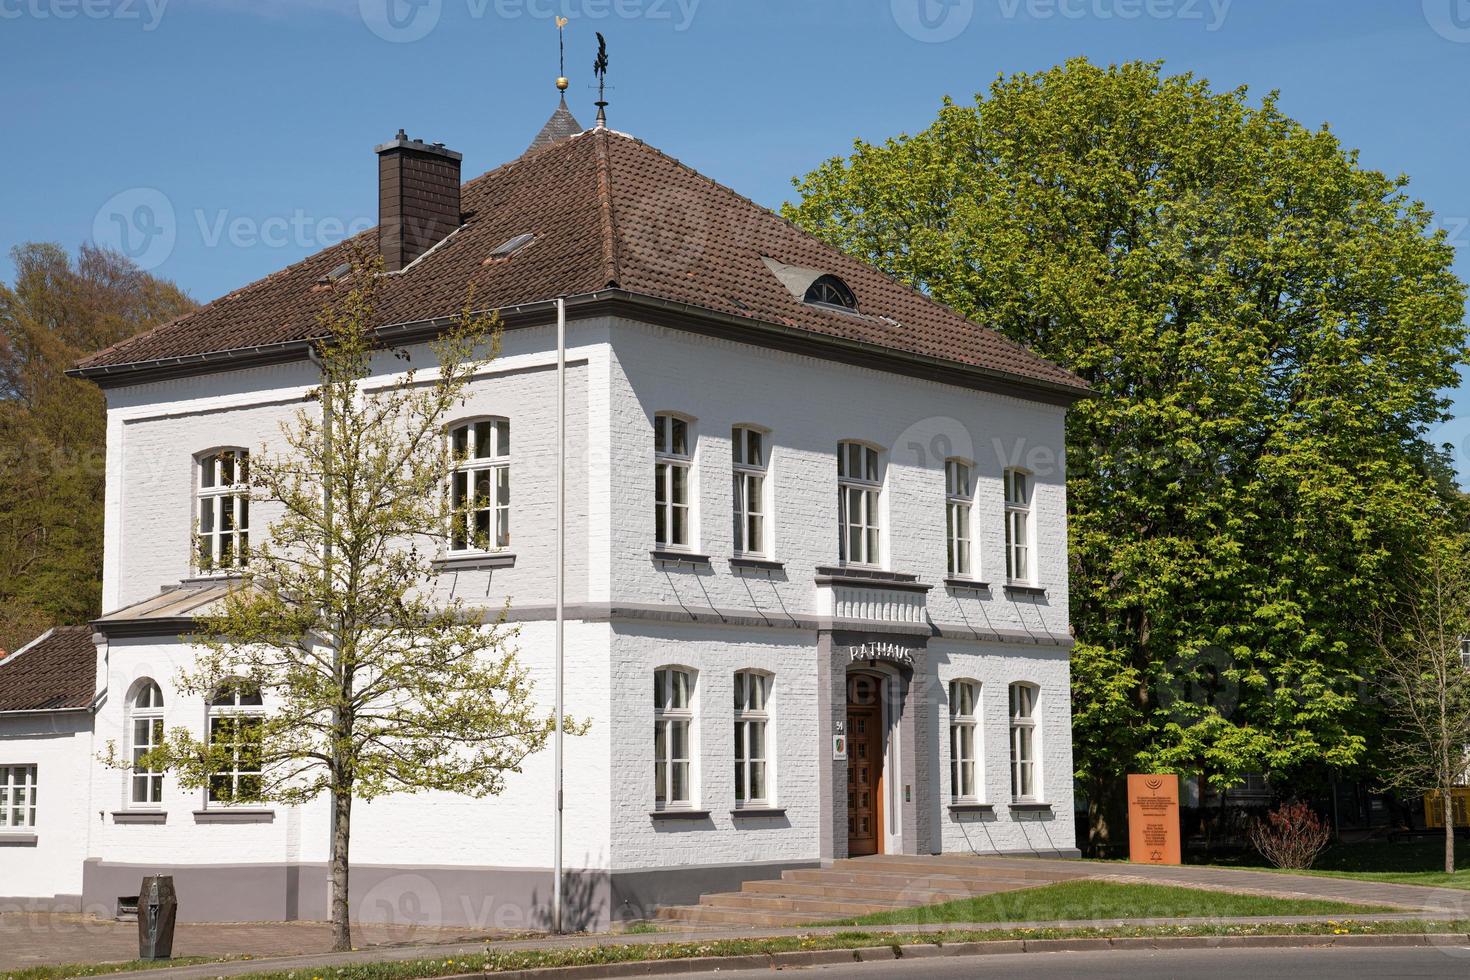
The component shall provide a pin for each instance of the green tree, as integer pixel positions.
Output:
(370, 684)
(53, 428)
(1267, 327)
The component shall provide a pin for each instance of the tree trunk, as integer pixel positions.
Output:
(341, 837)
(1447, 809)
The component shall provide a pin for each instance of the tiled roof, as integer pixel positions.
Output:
(562, 125)
(608, 211)
(56, 670)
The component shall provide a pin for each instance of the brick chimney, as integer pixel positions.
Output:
(418, 198)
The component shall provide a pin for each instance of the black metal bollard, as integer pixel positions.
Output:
(158, 908)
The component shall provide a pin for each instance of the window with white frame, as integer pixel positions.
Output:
(752, 728)
(1023, 742)
(964, 701)
(223, 518)
(959, 498)
(146, 731)
(748, 456)
(479, 485)
(859, 492)
(17, 797)
(673, 454)
(673, 720)
(235, 718)
(1018, 526)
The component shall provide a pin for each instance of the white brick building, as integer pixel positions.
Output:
(789, 476)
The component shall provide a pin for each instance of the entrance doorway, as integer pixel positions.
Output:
(864, 764)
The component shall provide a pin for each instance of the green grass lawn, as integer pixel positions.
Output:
(1419, 862)
(1083, 900)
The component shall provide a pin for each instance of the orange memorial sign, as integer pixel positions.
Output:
(1153, 819)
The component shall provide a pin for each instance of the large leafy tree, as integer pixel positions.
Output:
(1267, 327)
(53, 428)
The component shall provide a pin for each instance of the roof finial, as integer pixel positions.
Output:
(561, 43)
(599, 68)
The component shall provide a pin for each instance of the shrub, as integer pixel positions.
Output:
(1292, 836)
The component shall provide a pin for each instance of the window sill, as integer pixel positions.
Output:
(139, 816)
(1030, 807)
(758, 811)
(234, 816)
(872, 578)
(665, 556)
(966, 585)
(214, 578)
(1020, 588)
(679, 814)
(738, 564)
(969, 807)
(466, 563)
(18, 840)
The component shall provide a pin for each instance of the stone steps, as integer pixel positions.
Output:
(861, 886)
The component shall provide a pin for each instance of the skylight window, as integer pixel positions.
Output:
(830, 291)
(509, 248)
(336, 274)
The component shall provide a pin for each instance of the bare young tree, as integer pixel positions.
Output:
(368, 684)
(1425, 682)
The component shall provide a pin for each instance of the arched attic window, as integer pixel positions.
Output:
(828, 290)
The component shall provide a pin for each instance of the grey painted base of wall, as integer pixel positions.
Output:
(53, 903)
(409, 898)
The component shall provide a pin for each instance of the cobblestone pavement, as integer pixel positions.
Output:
(34, 938)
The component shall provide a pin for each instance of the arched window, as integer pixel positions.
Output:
(748, 458)
(145, 709)
(859, 488)
(959, 498)
(752, 731)
(223, 510)
(235, 718)
(964, 708)
(830, 291)
(673, 464)
(479, 485)
(673, 722)
(1023, 742)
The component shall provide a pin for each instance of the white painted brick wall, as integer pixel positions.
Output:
(59, 745)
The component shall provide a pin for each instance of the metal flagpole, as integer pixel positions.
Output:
(561, 571)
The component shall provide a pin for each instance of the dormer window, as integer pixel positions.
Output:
(831, 291)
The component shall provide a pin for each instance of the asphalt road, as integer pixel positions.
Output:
(1231, 964)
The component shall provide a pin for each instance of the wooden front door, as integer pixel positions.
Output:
(864, 765)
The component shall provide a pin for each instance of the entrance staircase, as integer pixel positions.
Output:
(862, 886)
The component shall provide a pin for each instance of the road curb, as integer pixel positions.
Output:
(869, 954)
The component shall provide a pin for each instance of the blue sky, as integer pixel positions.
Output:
(240, 132)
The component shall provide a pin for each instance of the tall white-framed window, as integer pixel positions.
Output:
(673, 724)
(223, 510)
(1023, 742)
(145, 730)
(673, 464)
(749, 462)
(859, 501)
(1018, 526)
(235, 716)
(959, 507)
(17, 797)
(752, 738)
(964, 755)
(479, 485)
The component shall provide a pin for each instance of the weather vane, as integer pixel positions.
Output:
(561, 44)
(599, 68)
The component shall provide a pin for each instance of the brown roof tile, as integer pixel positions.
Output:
(607, 210)
(56, 670)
